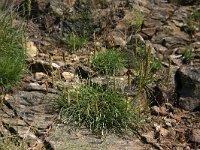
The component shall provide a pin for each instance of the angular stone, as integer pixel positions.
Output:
(68, 76)
(117, 38)
(171, 37)
(149, 31)
(149, 23)
(187, 87)
(40, 76)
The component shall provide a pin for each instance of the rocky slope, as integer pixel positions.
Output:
(30, 113)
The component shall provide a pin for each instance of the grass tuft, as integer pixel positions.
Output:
(193, 21)
(75, 42)
(188, 55)
(100, 110)
(108, 62)
(12, 58)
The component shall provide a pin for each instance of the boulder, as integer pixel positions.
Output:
(188, 87)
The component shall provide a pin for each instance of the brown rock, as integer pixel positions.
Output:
(149, 23)
(40, 76)
(195, 136)
(68, 76)
(159, 111)
(163, 132)
(149, 31)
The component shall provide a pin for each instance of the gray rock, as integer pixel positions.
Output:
(28, 115)
(171, 37)
(188, 87)
(37, 109)
(82, 139)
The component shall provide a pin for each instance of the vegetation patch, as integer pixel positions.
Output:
(187, 54)
(101, 110)
(108, 62)
(146, 66)
(75, 42)
(12, 58)
(193, 22)
(137, 19)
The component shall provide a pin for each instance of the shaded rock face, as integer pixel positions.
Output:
(188, 88)
(188, 2)
(33, 108)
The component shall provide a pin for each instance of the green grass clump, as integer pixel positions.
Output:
(75, 42)
(193, 21)
(196, 14)
(188, 55)
(108, 62)
(12, 58)
(100, 110)
(146, 67)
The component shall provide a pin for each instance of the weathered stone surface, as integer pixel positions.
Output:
(68, 76)
(195, 136)
(37, 109)
(171, 36)
(149, 31)
(148, 22)
(40, 76)
(188, 87)
(180, 17)
(28, 115)
(63, 137)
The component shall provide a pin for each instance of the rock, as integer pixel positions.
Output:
(187, 81)
(37, 109)
(164, 132)
(180, 133)
(160, 94)
(117, 38)
(150, 23)
(43, 66)
(159, 110)
(149, 31)
(187, 2)
(159, 48)
(171, 37)
(169, 122)
(31, 49)
(27, 109)
(40, 76)
(41, 88)
(68, 76)
(84, 72)
(179, 23)
(83, 139)
(149, 137)
(161, 14)
(55, 65)
(195, 136)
